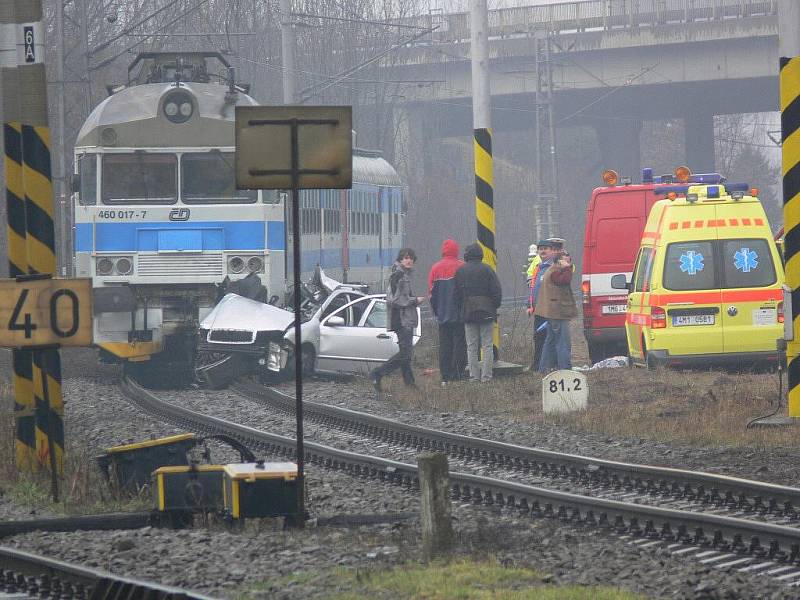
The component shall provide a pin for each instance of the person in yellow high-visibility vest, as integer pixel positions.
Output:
(533, 261)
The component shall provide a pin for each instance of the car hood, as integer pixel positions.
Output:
(235, 312)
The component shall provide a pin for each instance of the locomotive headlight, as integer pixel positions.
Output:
(104, 266)
(178, 106)
(124, 265)
(255, 264)
(235, 264)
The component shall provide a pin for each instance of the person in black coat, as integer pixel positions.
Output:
(478, 296)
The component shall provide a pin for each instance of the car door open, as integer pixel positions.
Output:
(354, 338)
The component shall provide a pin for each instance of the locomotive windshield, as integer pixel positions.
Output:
(140, 178)
(209, 178)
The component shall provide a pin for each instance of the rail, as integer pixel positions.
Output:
(590, 15)
(23, 574)
(778, 543)
(707, 487)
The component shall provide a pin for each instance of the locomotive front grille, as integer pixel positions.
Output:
(165, 265)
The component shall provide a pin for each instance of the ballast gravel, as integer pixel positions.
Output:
(266, 559)
(775, 465)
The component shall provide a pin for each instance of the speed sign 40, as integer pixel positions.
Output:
(45, 312)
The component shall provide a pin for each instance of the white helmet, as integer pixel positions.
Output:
(533, 249)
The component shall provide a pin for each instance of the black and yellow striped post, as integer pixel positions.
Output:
(484, 205)
(39, 223)
(21, 361)
(790, 134)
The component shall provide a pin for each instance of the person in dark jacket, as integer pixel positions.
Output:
(441, 289)
(402, 318)
(478, 296)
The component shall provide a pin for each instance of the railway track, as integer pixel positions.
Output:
(25, 575)
(728, 541)
(675, 488)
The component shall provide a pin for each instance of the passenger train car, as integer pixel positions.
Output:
(160, 225)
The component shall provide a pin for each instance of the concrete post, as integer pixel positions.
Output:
(788, 28)
(288, 53)
(699, 143)
(618, 140)
(434, 484)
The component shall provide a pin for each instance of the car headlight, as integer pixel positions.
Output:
(235, 264)
(255, 264)
(274, 357)
(104, 266)
(124, 265)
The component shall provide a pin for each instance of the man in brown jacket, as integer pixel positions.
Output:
(556, 304)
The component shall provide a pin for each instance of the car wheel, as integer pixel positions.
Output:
(308, 361)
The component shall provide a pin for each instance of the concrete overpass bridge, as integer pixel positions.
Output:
(610, 64)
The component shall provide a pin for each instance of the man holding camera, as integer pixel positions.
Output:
(556, 305)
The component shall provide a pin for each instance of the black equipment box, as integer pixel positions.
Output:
(260, 489)
(130, 466)
(197, 487)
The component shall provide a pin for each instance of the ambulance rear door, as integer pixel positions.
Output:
(691, 295)
(751, 291)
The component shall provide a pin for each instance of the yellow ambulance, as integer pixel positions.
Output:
(706, 287)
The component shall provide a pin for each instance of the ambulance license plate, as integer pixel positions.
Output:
(614, 309)
(679, 321)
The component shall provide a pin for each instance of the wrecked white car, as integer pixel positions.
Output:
(343, 331)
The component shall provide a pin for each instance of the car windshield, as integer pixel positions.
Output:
(140, 178)
(209, 178)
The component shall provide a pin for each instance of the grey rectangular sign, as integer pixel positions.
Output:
(264, 147)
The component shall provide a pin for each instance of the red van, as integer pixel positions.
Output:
(615, 220)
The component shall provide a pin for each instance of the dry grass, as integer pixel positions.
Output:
(82, 489)
(700, 408)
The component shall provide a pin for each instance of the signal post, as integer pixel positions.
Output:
(29, 198)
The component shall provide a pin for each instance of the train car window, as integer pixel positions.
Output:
(209, 178)
(140, 178)
(270, 196)
(87, 167)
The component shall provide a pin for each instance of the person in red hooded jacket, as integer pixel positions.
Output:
(441, 289)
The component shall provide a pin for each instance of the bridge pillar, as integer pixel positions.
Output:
(618, 140)
(699, 142)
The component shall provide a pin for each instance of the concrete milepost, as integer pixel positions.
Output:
(23, 52)
(294, 147)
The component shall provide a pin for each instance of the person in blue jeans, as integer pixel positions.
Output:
(556, 305)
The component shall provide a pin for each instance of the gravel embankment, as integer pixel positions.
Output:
(221, 562)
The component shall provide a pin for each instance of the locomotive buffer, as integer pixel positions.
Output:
(289, 148)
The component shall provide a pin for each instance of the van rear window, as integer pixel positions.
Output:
(746, 263)
(689, 266)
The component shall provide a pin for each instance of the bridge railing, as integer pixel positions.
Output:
(593, 15)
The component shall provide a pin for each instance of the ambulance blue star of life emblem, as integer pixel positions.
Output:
(692, 262)
(745, 260)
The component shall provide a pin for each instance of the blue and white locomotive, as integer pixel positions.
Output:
(159, 223)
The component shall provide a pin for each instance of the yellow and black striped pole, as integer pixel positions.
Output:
(790, 134)
(39, 224)
(21, 361)
(484, 205)
(482, 131)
